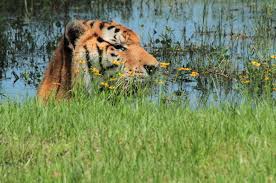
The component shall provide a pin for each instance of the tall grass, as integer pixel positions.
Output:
(134, 140)
(119, 138)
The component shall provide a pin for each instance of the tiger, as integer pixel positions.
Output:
(94, 45)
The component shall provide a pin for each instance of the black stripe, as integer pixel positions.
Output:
(106, 48)
(73, 35)
(100, 40)
(92, 23)
(113, 55)
(101, 60)
(66, 41)
(119, 47)
(116, 46)
(111, 67)
(117, 30)
(101, 25)
(87, 57)
(110, 27)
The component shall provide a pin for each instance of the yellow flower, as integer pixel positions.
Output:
(130, 73)
(273, 56)
(115, 62)
(255, 63)
(104, 84)
(274, 89)
(111, 87)
(95, 71)
(245, 81)
(266, 78)
(184, 69)
(82, 61)
(194, 74)
(164, 65)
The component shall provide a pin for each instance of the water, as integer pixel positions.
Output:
(242, 30)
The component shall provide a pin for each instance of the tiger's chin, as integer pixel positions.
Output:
(131, 85)
(139, 80)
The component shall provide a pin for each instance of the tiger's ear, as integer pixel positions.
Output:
(73, 31)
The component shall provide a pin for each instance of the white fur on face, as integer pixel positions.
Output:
(114, 36)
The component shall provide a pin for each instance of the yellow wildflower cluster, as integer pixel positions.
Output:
(266, 78)
(273, 56)
(95, 71)
(115, 62)
(244, 79)
(106, 85)
(184, 69)
(164, 65)
(82, 61)
(194, 74)
(255, 63)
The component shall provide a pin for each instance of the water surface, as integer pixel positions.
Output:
(181, 32)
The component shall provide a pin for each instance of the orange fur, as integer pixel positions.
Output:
(57, 77)
(81, 40)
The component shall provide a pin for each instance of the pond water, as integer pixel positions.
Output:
(194, 34)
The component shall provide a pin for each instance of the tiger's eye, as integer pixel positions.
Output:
(120, 47)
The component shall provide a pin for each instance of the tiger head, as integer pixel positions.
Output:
(108, 46)
(101, 44)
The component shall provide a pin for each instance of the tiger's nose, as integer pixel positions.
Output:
(150, 69)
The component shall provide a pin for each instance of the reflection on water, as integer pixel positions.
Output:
(30, 30)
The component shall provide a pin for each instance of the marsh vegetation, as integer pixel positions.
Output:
(220, 40)
(209, 115)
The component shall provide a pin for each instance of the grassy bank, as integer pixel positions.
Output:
(136, 141)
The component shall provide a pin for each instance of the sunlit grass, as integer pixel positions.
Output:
(118, 134)
(134, 140)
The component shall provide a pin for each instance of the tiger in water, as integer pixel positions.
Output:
(94, 46)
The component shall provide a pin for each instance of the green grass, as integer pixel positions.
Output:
(134, 140)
